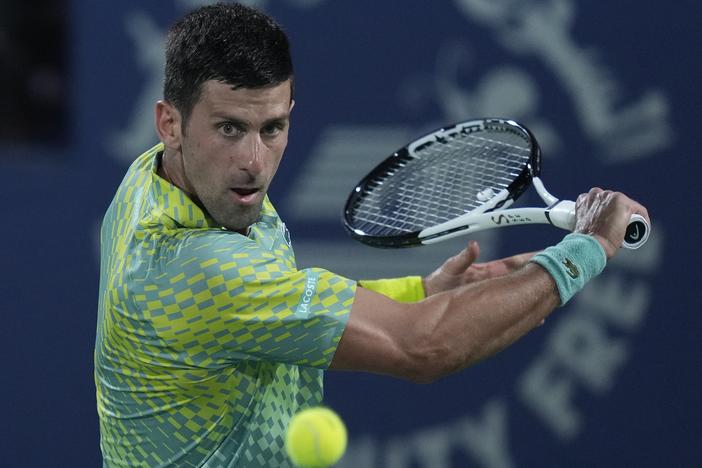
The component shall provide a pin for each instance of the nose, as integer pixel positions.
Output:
(252, 161)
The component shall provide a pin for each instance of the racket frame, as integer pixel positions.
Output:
(502, 199)
(493, 213)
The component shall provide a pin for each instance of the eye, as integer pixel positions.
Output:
(229, 129)
(273, 129)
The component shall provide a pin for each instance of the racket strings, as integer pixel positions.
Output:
(439, 181)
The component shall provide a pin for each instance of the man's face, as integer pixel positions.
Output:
(232, 147)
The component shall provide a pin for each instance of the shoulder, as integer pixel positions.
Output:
(204, 249)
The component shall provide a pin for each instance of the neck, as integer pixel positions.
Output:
(167, 169)
(171, 170)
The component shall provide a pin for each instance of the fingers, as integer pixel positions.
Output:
(640, 209)
(460, 262)
(451, 273)
(597, 196)
(516, 262)
(605, 214)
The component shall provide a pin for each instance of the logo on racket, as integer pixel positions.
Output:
(511, 218)
(635, 235)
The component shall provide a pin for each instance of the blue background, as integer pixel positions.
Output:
(371, 66)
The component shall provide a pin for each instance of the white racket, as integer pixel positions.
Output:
(459, 180)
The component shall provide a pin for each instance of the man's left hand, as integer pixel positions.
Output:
(461, 269)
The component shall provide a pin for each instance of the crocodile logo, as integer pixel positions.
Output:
(573, 271)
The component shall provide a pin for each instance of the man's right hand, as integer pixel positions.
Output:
(605, 214)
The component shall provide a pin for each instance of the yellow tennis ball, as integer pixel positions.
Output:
(316, 438)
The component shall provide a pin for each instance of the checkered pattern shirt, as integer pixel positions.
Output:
(208, 341)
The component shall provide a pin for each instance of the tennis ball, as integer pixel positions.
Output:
(316, 438)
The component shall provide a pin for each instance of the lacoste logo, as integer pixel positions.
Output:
(573, 271)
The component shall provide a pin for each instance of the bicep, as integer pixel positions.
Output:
(377, 336)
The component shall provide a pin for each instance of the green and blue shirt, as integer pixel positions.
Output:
(208, 341)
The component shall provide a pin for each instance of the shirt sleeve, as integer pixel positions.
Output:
(219, 298)
(405, 289)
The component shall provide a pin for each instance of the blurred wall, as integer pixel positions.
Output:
(609, 89)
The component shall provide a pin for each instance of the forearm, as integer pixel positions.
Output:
(456, 329)
(449, 331)
(446, 332)
(474, 322)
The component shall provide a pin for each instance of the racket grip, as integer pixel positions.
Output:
(562, 215)
(636, 232)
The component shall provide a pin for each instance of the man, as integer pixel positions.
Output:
(209, 338)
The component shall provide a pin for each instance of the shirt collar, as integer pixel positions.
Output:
(177, 205)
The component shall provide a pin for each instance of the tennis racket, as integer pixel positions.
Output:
(456, 181)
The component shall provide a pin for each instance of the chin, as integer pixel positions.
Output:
(241, 220)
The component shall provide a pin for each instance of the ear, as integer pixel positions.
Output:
(168, 125)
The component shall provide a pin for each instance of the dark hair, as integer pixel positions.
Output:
(226, 42)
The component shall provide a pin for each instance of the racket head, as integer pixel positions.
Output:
(447, 173)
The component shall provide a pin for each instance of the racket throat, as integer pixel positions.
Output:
(543, 193)
(562, 214)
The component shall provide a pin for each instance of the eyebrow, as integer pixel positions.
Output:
(244, 124)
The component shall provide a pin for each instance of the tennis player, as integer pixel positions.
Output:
(209, 338)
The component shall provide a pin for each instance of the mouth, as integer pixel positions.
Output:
(246, 195)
